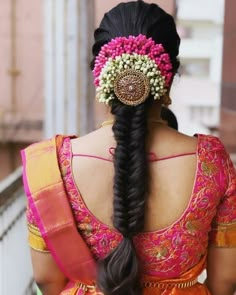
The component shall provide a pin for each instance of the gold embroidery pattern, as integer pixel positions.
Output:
(132, 87)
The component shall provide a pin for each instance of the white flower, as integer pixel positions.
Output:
(129, 61)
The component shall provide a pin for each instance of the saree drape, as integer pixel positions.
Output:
(44, 188)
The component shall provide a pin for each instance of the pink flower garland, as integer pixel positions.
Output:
(140, 45)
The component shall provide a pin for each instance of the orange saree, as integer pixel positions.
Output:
(44, 188)
(187, 284)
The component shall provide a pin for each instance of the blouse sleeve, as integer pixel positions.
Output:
(35, 238)
(223, 232)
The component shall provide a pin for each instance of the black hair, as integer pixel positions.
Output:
(168, 116)
(119, 272)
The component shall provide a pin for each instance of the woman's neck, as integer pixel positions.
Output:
(153, 114)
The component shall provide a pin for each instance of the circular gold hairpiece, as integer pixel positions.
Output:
(132, 87)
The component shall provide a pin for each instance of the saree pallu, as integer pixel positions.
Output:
(44, 188)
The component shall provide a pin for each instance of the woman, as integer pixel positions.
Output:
(134, 207)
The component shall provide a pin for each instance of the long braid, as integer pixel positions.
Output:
(121, 129)
(119, 271)
(138, 170)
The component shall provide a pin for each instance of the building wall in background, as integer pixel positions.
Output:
(46, 84)
(196, 94)
(21, 71)
(228, 105)
(10, 157)
(21, 76)
(69, 91)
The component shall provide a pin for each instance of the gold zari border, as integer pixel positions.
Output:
(35, 239)
(224, 235)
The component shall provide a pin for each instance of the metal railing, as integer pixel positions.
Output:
(15, 265)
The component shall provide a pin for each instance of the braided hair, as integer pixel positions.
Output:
(119, 271)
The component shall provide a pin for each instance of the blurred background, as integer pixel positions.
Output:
(46, 88)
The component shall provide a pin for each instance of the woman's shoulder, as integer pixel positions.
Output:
(46, 144)
(207, 141)
(173, 142)
(210, 142)
(97, 141)
(42, 156)
(212, 150)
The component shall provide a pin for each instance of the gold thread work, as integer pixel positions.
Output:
(132, 87)
(146, 284)
(160, 285)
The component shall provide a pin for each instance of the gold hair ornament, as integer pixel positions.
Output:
(132, 87)
(137, 53)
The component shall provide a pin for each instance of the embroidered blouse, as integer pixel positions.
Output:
(210, 216)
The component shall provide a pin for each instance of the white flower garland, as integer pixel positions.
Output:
(141, 63)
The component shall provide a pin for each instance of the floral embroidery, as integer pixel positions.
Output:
(173, 250)
(209, 168)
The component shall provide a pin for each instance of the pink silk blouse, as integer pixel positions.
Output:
(210, 216)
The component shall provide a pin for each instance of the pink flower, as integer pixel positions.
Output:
(134, 44)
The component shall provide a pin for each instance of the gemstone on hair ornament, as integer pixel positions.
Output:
(132, 87)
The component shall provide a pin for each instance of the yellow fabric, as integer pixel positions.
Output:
(35, 239)
(39, 181)
(41, 178)
(224, 235)
(45, 188)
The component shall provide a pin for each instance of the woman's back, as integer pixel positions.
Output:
(179, 209)
(94, 178)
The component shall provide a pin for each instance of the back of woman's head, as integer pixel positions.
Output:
(134, 18)
(119, 271)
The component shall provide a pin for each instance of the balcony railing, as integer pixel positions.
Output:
(15, 265)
